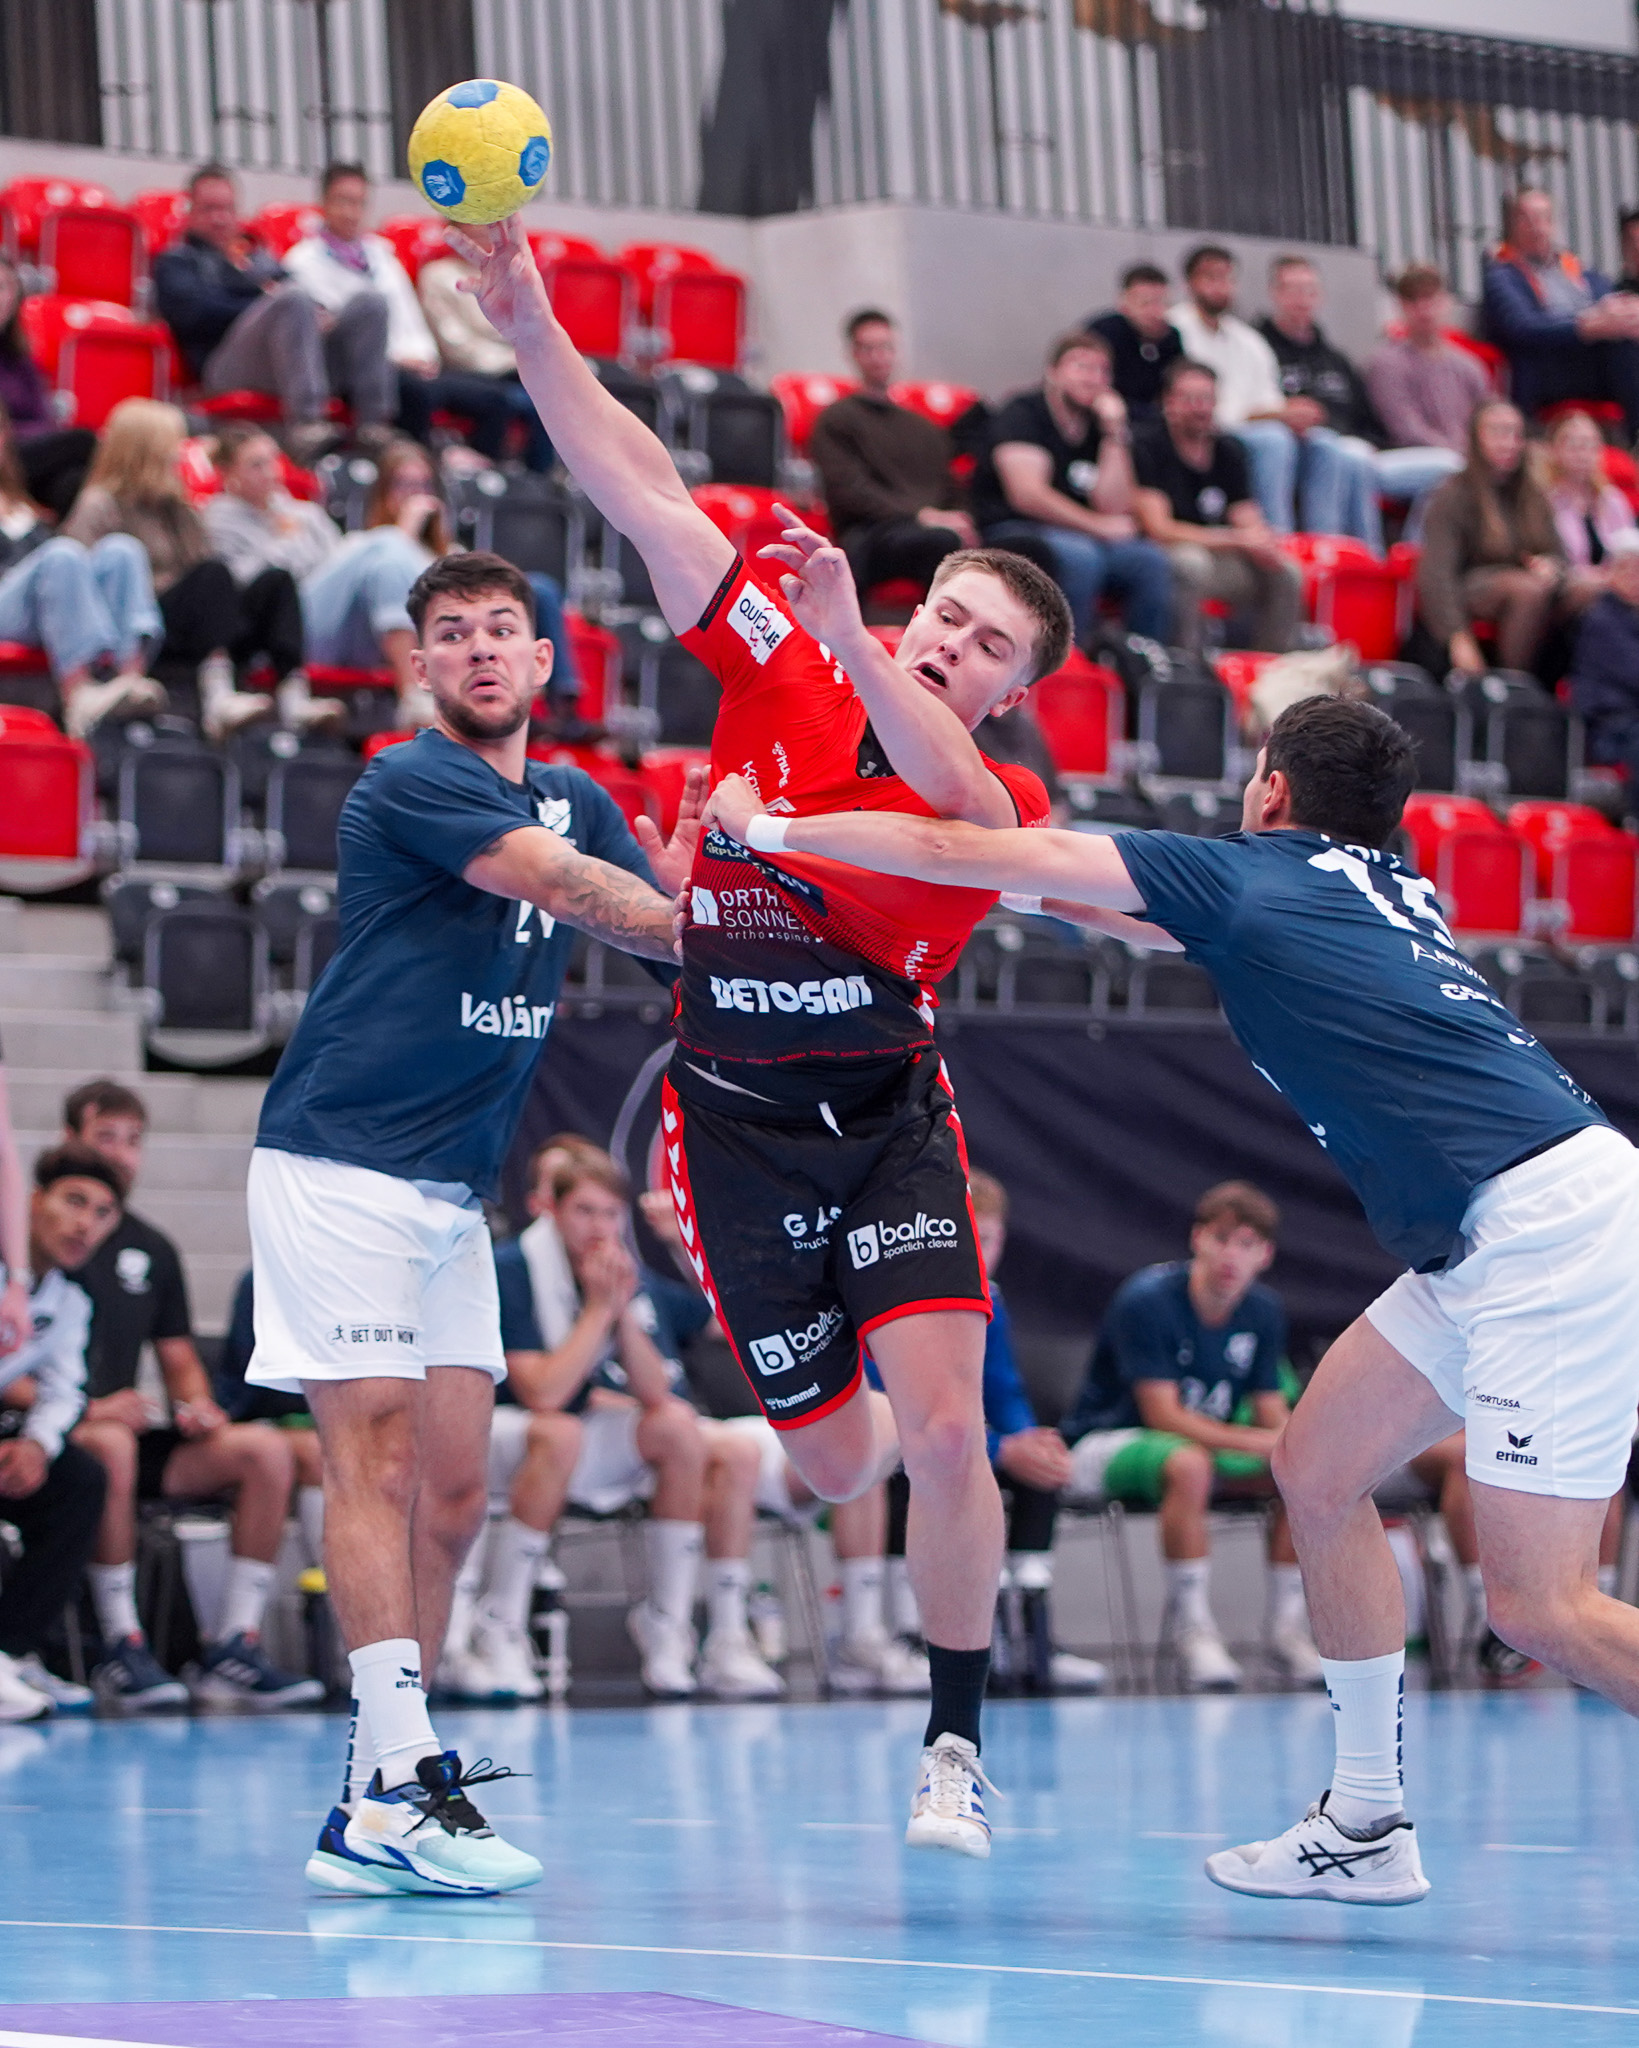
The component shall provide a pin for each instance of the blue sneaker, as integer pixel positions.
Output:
(131, 1677)
(334, 1868)
(239, 1673)
(427, 1836)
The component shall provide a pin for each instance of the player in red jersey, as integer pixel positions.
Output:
(812, 1146)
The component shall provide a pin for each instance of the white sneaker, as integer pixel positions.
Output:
(300, 711)
(1317, 1860)
(1293, 1649)
(63, 1693)
(503, 1653)
(1078, 1674)
(232, 711)
(1203, 1660)
(878, 1662)
(415, 709)
(948, 1811)
(20, 1701)
(91, 703)
(731, 1668)
(427, 1836)
(667, 1649)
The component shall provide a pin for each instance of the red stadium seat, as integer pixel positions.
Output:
(890, 636)
(1585, 870)
(1081, 709)
(803, 396)
(282, 226)
(377, 740)
(18, 659)
(649, 263)
(25, 202)
(744, 513)
(896, 594)
(1239, 669)
(47, 793)
(1604, 412)
(597, 661)
(664, 773)
(944, 404)
(1548, 828)
(97, 354)
(161, 216)
(702, 316)
(334, 682)
(94, 252)
(1482, 871)
(1359, 598)
(592, 295)
(200, 476)
(417, 238)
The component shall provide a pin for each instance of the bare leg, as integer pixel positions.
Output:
(669, 1439)
(859, 1528)
(115, 1449)
(451, 1496)
(1541, 1557)
(256, 1462)
(1610, 1537)
(370, 1433)
(541, 1485)
(1186, 1491)
(734, 1462)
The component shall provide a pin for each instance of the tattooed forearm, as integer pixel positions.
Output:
(613, 906)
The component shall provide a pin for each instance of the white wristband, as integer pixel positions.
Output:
(1029, 906)
(766, 834)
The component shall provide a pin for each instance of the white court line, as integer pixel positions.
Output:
(770, 1955)
(1174, 1835)
(11, 2040)
(1530, 1848)
(663, 1820)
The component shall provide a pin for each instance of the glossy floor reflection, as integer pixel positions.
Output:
(751, 1858)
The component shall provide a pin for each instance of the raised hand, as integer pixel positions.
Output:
(673, 858)
(820, 588)
(509, 286)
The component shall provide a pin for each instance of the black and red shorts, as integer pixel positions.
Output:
(807, 1237)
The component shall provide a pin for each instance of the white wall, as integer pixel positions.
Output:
(1593, 24)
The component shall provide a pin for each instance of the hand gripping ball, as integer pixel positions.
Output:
(480, 150)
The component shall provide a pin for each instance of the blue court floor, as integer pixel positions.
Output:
(714, 1872)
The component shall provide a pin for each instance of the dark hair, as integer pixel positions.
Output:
(1034, 589)
(1241, 1205)
(1142, 273)
(1206, 252)
(590, 1163)
(1627, 218)
(231, 441)
(210, 170)
(12, 345)
(1077, 337)
(398, 454)
(78, 1162)
(101, 1098)
(1524, 525)
(333, 173)
(1349, 766)
(867, 316)
(468, 576)
(1419, 281)
(13, 483)
(1184, 366)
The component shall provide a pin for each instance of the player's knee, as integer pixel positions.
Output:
(554, 1441)
(1537, 1622)
(740, 1458)
(941, 1448)
(1187, 1475)
(263, 1455)
(672, 1435)
(114, 1447)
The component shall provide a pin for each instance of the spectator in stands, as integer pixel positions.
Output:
(342, 263)
(139, 1296)
(50, 1491)
(1589, 511)
(1142, 338)
(1605, 667)
(15, 1322)
(1424, 389)
(1057, 484)
(210, 632)
(53, 458)
(84, 607)
(1293, 470)
(241, 324)
(1491, 551)
(1343, 496)
(290, 1412)
(1565, 331)
(1195, 500)
(472, 350)
(885, 471)
(1183, 1404)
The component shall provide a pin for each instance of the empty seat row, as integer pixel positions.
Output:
(1551, 868)
(204, 979)
(1008, 968)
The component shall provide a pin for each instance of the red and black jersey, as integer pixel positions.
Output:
(793, 963)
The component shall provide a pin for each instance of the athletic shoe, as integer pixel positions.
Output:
(667, 1649)
(502, 1660)
(20, 1701)
(239, 1673)
(132, 1677)
(333, 1867)
(878, 1662)
(91, 703)
(948, 1811)
(1500, 1661)
(1203, 1661)
(427, 1836)
(63, 1693)
(1317, 1860)
(1078, 1674)
(1293, 1649)
(731, 1668)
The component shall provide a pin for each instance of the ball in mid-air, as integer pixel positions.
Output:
(480, 150)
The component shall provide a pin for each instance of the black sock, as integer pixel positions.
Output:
(958, 1692)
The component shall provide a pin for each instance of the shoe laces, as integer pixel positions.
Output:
(448, 1804)
(949, 1772)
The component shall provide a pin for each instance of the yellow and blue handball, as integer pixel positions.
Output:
(480, 150)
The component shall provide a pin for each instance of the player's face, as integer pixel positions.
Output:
(1212, 285)
(973, 644)
(589, 1215)
(69, 1219)
(344, 208)
(255, 474)
(1229, 1257)
(118, 1139)
(481, 661)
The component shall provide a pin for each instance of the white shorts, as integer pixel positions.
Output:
(1090, 1458)
(773, 1494)
(609, 1474)
(1534, 1338)
(362, 1276)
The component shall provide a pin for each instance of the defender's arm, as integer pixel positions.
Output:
(533, 865)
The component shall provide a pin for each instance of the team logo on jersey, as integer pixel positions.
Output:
(703, 907)
(786, 1349)
(131, 1269)
(1241, 1349)
(1518, 1451)
(553, 812)
(511, 1017)
(874, 1241)
(759, 622)
(818, 998)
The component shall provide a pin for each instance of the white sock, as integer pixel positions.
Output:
(514, 1556)
(1476, 1598)
(674, 1565)
(114, 1595)
(1288, 1610)
(1607, 1580)
(387, 1685)
(728, 1581)
(904, 1617)
(1188, 1579)
(861, 1597)
(310, 1514)
(245, 1601)
(1368, 1701)
(464, 1597)
(361, 1758)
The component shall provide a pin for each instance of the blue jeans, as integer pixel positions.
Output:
(550, 625)
(1329, 479)
(1414, 473)
(78, 602)
(1137, 571)
(358, 595)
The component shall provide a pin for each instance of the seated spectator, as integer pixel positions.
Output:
(50, 1491)
(1342, 497)
(341, 264)
(1491, 550)
(84, 607)
(1565, 331)
(135, 487)
(16, 1323)
(52, 457)
(1293, 471)
(139, 1296)
(471, 348)
(1057, 485)
(242, 325)
(1605, 667)
(1589, 511)
(240, 1402)
(1424, 389)
(1195, 499)
(1142, 338)
(1183, 1404)
(885, 471)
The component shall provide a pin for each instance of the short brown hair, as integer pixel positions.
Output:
(1034, 589)
(1348, 765)
(102, 1098)
(1242, 1206)
(1418, 281)
(570, 1142)
(230, 442)
(988, 1195)
(78, 1162)
(468, 576)
(589, 1162)
(1077, 337)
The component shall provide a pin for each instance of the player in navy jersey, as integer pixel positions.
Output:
(1477, 1160)
(463, 866)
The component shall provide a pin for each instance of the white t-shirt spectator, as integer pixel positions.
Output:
(291, 534)
(467, 339)
(328, 278)
(54, 1358)
(1248, 375)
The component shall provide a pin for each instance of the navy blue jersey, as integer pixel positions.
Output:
(1339, 977)
(1151, 1332)
(667, 1327)
(415, 1051)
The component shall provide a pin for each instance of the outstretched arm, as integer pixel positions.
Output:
(614, 458)
(533, 865)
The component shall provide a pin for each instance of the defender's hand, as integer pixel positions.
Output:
(673, 858)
